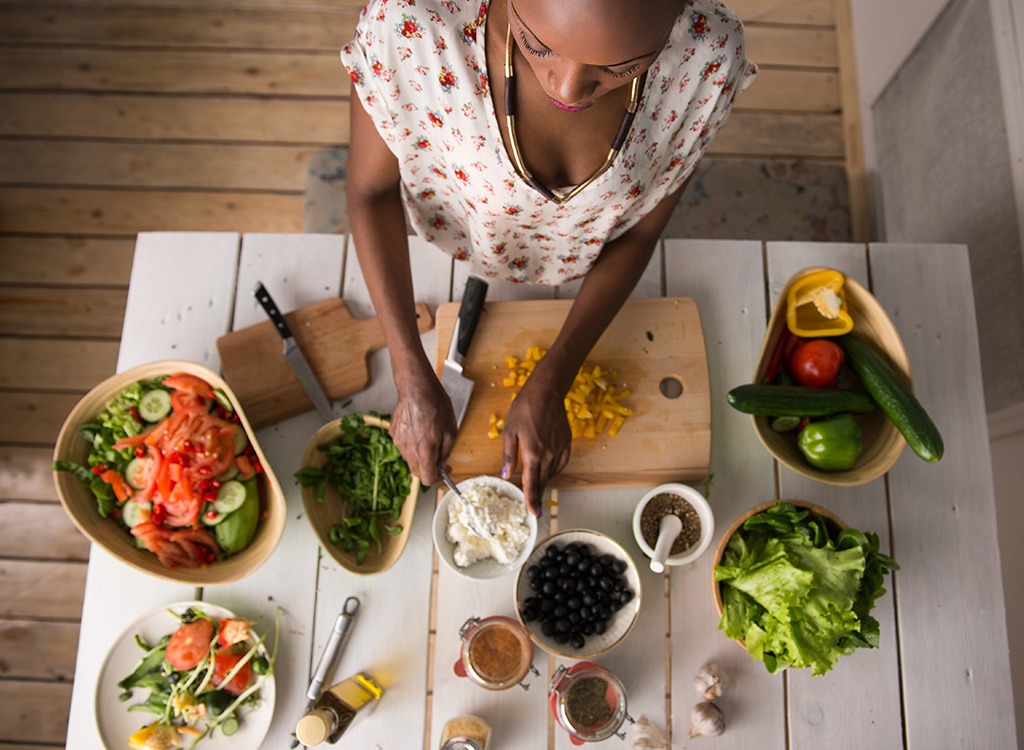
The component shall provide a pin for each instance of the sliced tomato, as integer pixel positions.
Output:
(190, 384)
(233, 631)
(182, 507)
(224, 663)
(190, 644)
(183, 401)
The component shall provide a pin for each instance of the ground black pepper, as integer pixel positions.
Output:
(659, 507)
(586, 703)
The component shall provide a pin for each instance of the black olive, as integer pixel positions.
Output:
(552, 550)
(585, 613)
(572, 559)
(618, 584)
(600, 627)
(532, 571)
(577, 640)
(561, 637)
(550, 572)
(560, 611)
(568, 585)
(535, 584)
(588, 599)
(574, 602)
(574, 618)
(626, 596)
(583, 550)
(546, 605)
(605, 584)
(588, 628)
(606, 559)
(562, 625)
(549, 588)
(530, 613)
(583, 566)
(548, 628)
(619, 566)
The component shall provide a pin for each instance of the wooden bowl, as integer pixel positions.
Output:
(324, 514)
(837, 523)
(882, 442)
(80, 505)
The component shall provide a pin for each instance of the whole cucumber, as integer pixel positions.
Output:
(893, 397)
(798, 401)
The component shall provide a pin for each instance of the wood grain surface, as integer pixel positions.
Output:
(648, 342)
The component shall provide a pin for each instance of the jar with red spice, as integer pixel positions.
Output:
(496, 654)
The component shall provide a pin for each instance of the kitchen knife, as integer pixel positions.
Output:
(458, 387)
(330, 655)
(294, 354)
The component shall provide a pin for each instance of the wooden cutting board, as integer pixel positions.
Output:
(652, 344)
(336, 346)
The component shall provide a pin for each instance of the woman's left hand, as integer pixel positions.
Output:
(537, 429)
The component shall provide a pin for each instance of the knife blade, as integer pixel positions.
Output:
(330, 655)
(292, 353)
(458, 387)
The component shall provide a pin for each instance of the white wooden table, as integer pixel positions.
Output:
(939, 680)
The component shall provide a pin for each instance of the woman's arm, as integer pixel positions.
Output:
(423, 423)
(537, 428)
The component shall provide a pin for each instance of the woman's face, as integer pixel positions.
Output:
(579, 50)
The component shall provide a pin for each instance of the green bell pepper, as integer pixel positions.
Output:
(832, 444)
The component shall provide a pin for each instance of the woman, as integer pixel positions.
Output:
(541, 140)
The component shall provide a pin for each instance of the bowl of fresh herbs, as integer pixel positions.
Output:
(795, 586)
(358, 493)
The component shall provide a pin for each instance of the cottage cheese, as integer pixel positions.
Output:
(486, 524)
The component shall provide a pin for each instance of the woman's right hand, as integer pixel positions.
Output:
(423, 425)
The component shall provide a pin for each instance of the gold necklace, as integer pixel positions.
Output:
(513, 142)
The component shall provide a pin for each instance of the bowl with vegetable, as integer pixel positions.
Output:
(188, 674)
(160, 467)
(358, 493)
(795, 586)
(578, 594)
(487, 533)
(832, 395)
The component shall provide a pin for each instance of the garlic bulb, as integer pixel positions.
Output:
(706, 720)
(646, 736)
(711, 681)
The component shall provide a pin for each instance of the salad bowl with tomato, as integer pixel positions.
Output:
(819, 362)
(160, 466)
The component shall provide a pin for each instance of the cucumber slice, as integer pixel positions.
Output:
(229, 726)
(241, 439)
(223, 400)
(230, 497)
(229, 473)
(210, 515)
(133, 513)
(138, 472)
(155, 405)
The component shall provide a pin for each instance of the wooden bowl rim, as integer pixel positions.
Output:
(79, 504)
(392, 547)
(816, 510)
(859, 300)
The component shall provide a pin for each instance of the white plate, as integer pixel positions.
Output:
(116, 723)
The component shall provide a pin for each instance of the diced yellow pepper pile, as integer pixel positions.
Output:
(593, 403)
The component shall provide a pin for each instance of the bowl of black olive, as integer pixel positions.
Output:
(578, 594)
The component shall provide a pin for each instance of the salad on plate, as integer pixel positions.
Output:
(170, 460)
(202, 679)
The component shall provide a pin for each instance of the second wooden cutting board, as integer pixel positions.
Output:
(656, 347)
(336, 346)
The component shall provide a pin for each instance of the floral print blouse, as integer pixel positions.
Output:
(419, 68)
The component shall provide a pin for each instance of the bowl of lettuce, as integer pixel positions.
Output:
(796, 586)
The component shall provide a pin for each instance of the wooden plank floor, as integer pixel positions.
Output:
(120, 117)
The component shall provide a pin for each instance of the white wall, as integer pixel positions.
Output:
(885, 34)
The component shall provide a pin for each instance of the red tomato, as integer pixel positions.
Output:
(190, 644)
(224, 663)
(816, 363)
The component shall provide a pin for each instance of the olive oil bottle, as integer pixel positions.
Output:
(337, 708)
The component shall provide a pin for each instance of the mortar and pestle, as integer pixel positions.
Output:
(673, 525)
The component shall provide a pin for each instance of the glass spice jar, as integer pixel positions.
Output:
(465, 733)
(496, 652)
(588, 702)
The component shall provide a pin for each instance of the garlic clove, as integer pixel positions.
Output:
(706, 720)
(711, 681)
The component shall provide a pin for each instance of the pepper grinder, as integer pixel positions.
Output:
(668, 531)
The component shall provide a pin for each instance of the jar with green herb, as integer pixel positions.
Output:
(588, 701)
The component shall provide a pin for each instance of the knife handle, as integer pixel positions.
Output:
(267, 303)
(469, 313)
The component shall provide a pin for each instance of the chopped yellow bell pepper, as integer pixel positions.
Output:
(816, 305)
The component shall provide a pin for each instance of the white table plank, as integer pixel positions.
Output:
(173, 312)
(517, 718)
(390, 637)
(860, 697)
(639, 661)
(725, 278)
(953, 640)
(284, 264)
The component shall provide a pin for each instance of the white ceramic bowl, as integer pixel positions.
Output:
(618, 625)
(489, 568)
(697, 502)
